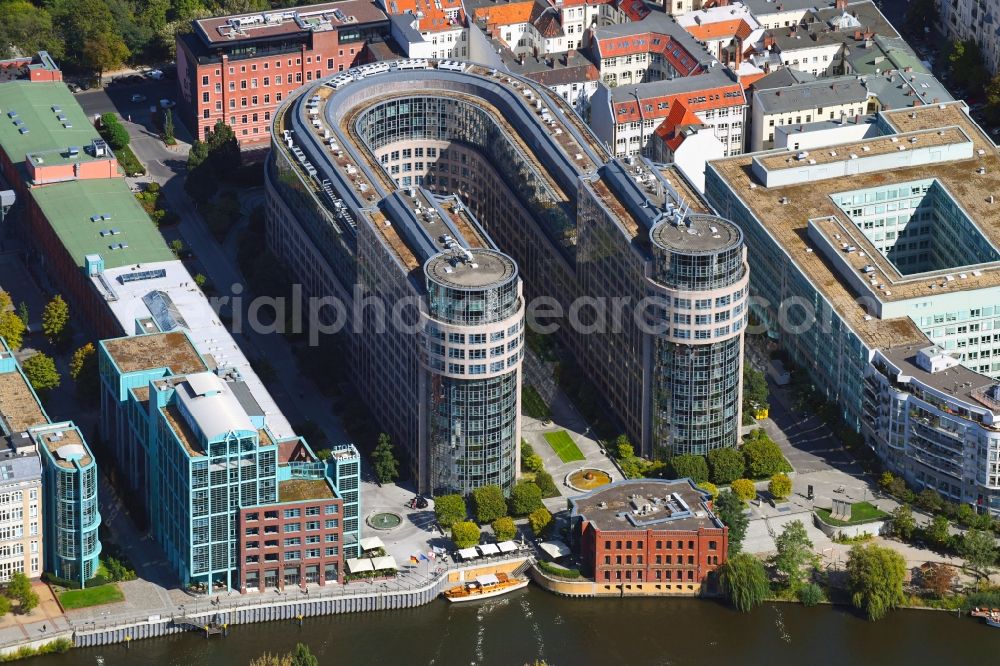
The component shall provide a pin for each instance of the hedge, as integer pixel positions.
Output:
(550, 568)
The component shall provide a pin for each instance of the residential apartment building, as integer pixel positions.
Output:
(839, 99)
(726, 30)
(974, 20)
(425, 29)
(542, 27)
(899, 258)
(237, 69)
(208, 469)
(505, 166)
(48, 493)
(648, 537)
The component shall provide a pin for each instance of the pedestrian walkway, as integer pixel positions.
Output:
(45, 620)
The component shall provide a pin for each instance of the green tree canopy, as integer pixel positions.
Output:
(524, 498)
(302, 656)
(540, 519)
(710, 488)
(744, 581)
(690, 466)
(780, 486)
(762, 456)
(729, 508)
(939, 532)
(41, 371)
(902, 522)
(449, 509)
(623, 448)
(488, 504)
(26, 28)
(112, 130)
(755, 393)
(979, 550)
(744, 489)
(465, 534)
(55, 319)
(795, 552)
(504, 528)
(12, 329)
(875, 579)
(83, 370)
(725, 466)
(384, 460)
(19, 588)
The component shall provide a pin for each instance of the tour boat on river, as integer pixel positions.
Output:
(484, 587)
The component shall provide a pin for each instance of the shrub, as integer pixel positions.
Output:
(504, 529)
(539, 519)
(550, 568)
(525, 498)
(532, 463)
(710, 488)
(449, 509)
(544, 481)
(465, 534)
(780, 486)
(810, 594)
(488, 504)
(690, 466)
(725, 466)
(744, 489)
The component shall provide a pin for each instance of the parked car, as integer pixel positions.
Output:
(137, 98)
(155, 74)
(167, 103)
(73, 87)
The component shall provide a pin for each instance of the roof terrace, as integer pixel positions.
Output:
(171, 350)
(299, 490)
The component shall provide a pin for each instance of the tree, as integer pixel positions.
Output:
(744, 489)
(780, 486)
(709, 488)
(967, 65)
(113, 131)
(623, 448)
(504, 528)
(937, 579)
(978, 549)
(41, 371)
(532, 463)
(993, 98)
(795, 551)
(762, 456)
(725, 466)
(938, 532)
(105, 51)
(729, 509)
(55, 318)
(19, 588)
(902, 522)
(875, 579)
(488, 504)
(168, 126)
(26, 28)
(202, 182)
(223, 148)
(12, 329)
(929, 500)
(23, 314)
(539, 519)
(524, 498)
(449, 509)
(4, 606)
(83, 371)
(302, 656)
(690, 466)
(744, 581)
(384, 460)
(465, 534)
(755, 391)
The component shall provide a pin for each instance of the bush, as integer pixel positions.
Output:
(540, 519)
(524, 498)
(709, 488)
(117, 570)
(780, 486)
(504, 529)
(744, 489)
(725, 466)
(130, 164)
(763, 457)
(488, 504)
(532, 463)
(465, 534)
(550, 568)
(113, 131)
(810, 594)
(544, 481)
(449, 509)
(690, 466)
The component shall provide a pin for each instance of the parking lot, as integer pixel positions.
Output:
(118, 97)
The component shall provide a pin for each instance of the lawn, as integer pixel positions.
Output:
(861, 512)
(564, 446)
(91, 596)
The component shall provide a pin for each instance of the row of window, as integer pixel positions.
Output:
(712, 545)
(329, 509)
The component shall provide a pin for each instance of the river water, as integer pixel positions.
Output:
(532, 624)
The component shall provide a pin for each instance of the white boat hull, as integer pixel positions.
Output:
(518, 585)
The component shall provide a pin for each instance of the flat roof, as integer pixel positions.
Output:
(32, 102)
(811, 95)
(191, 311)
(957, 380)
(69, 208)
(298, 490)
(699, 234)
(787, 223)
(486, 268)
(66, 445)
(646, 504)
(158, 350)
(304, 19)
(19, 407)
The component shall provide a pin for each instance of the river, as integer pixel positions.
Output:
(533, 624)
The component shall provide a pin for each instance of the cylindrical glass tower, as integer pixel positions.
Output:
(475, 339)
(699, 285)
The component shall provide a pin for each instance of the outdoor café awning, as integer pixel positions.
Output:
(359, 564)
(468, 553)
(507, 546)
(555, 549)
(371, 543)
(489, 549)
(384, 563)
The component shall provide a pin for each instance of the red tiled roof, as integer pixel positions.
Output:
(650, 42)
(507, 14)
(635, 10)
(678, 117)
(720, 29)
(548, 25)
(434, 15)
(700, 100)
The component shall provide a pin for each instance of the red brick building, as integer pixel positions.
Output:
(648, 536)
(238, 69)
